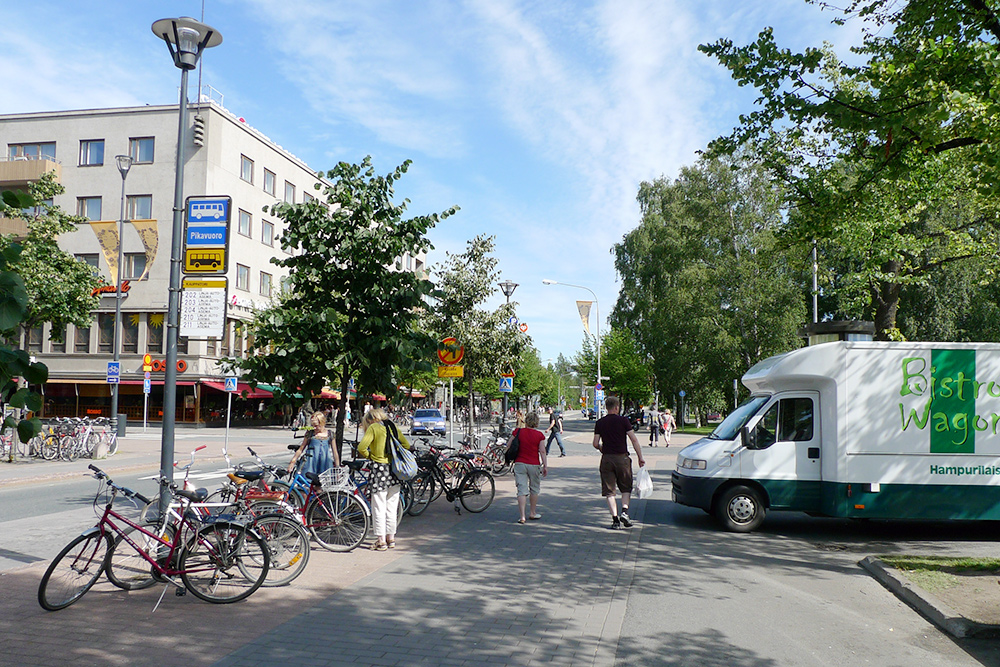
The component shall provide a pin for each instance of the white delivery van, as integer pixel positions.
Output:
(855, 429)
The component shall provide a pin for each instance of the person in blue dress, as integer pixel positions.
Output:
(317, 443)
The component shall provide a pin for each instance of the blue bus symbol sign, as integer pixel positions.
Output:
(208, 210)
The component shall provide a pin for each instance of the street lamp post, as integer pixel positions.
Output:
(508, 288)
(124, 164)
(597, 405)
(186, 39)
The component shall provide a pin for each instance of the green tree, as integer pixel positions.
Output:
(346, 312)
(14, 310)
(60, 287)
(871, 152)
(625, 364)
(466, 281)
(706, 289)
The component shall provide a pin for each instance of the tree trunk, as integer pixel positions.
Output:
(885, 299)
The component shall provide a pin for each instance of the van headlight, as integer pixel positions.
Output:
(691, 464)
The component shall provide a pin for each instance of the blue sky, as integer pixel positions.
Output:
(539, 119)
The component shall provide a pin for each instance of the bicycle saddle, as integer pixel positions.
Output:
(197, 495)
(356, 465)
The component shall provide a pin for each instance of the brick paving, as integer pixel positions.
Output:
(460, 590)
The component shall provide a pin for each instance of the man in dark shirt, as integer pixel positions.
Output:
(611, 435)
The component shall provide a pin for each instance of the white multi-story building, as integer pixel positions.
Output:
(225, 156)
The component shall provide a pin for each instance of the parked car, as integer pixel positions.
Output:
(714, 417)
(427, 420)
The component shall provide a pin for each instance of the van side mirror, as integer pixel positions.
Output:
(745, 438)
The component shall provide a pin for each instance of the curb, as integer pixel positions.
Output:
(926, 604)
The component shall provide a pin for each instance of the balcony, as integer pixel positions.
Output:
(16, 173)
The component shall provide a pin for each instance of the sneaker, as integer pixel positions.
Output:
(616, 524)
(625, 520)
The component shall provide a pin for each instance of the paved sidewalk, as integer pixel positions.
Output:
(472, 589)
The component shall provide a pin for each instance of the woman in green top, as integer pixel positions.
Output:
(383, 485)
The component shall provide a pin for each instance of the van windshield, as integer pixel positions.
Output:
(737, 419)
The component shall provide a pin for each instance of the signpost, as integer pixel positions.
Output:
(231, 383)
(206, 236)
(114, 371)
(450, 353)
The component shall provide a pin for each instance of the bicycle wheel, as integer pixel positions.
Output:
(126, 568)
(423, 493)
(338, 520)
(77, 567)
(67, 448)
(498, 465)
(50, 447)
(405, 499)
(224, 562)
(477, 491)
(454, 470)
(112, 440)
(287, 545)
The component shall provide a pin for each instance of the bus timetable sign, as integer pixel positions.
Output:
(206, 235)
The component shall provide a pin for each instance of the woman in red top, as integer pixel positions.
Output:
(529, 466)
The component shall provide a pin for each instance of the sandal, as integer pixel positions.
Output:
(536, 517)
(521, 521)
(391, 544)
(379, 546)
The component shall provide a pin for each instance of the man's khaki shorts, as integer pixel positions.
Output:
(616, 470)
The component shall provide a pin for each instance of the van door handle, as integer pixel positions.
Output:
(813, 452)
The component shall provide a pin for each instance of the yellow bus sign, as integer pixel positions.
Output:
(450, 371)
(204, 260)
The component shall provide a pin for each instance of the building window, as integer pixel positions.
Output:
(32, 151)
(141, 150)
(284, 283)
(266, 232)
(289, 193)
(269, 182)
(89, 207)
(139, 207)
(242, 277)
(154, 333)
(266, 281)
(130, 333)
(245, 219)
(57, 338)
(409, 262)
(92, 260)
(306, 197)
(33, 339)
(182, 345)
(92, 153)
(238, 340)
(213, 347)
(81, 340)
(105, 332)
(135, 265)
(246, 169)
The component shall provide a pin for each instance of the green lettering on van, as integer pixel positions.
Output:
(950, 370)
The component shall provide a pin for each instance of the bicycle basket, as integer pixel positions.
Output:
(335, 479)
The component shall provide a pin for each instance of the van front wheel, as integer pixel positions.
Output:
(739, 509)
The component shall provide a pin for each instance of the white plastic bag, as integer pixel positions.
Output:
(644, 485)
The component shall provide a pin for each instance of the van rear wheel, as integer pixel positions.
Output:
(740, 509)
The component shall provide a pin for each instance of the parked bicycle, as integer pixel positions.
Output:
(221, 561)
(475, 491)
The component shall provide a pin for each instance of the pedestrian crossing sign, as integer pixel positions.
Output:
(507, 384)
(230, 384)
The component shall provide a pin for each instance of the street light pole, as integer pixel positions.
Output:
(508, 288)
(124, 164)
(186, 39)
(597, 406)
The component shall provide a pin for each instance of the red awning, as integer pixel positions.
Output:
(240, 388)
(378, 397)
(328, 393)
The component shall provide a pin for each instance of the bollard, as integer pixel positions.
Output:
(122, 422)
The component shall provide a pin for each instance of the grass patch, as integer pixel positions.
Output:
(702, 430)
(937, 573)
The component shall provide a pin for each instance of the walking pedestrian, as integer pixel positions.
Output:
(382, 483)
(318, 444)
(668, 426)
(611, 435)
(555, 432)
(654, 426)
(530, 466)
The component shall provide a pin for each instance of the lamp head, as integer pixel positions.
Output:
(546, 281)
(508, 288)
(124, 164)
(186, 39)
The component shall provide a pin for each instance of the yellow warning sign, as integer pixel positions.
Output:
(204, 260)
(450, 371)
